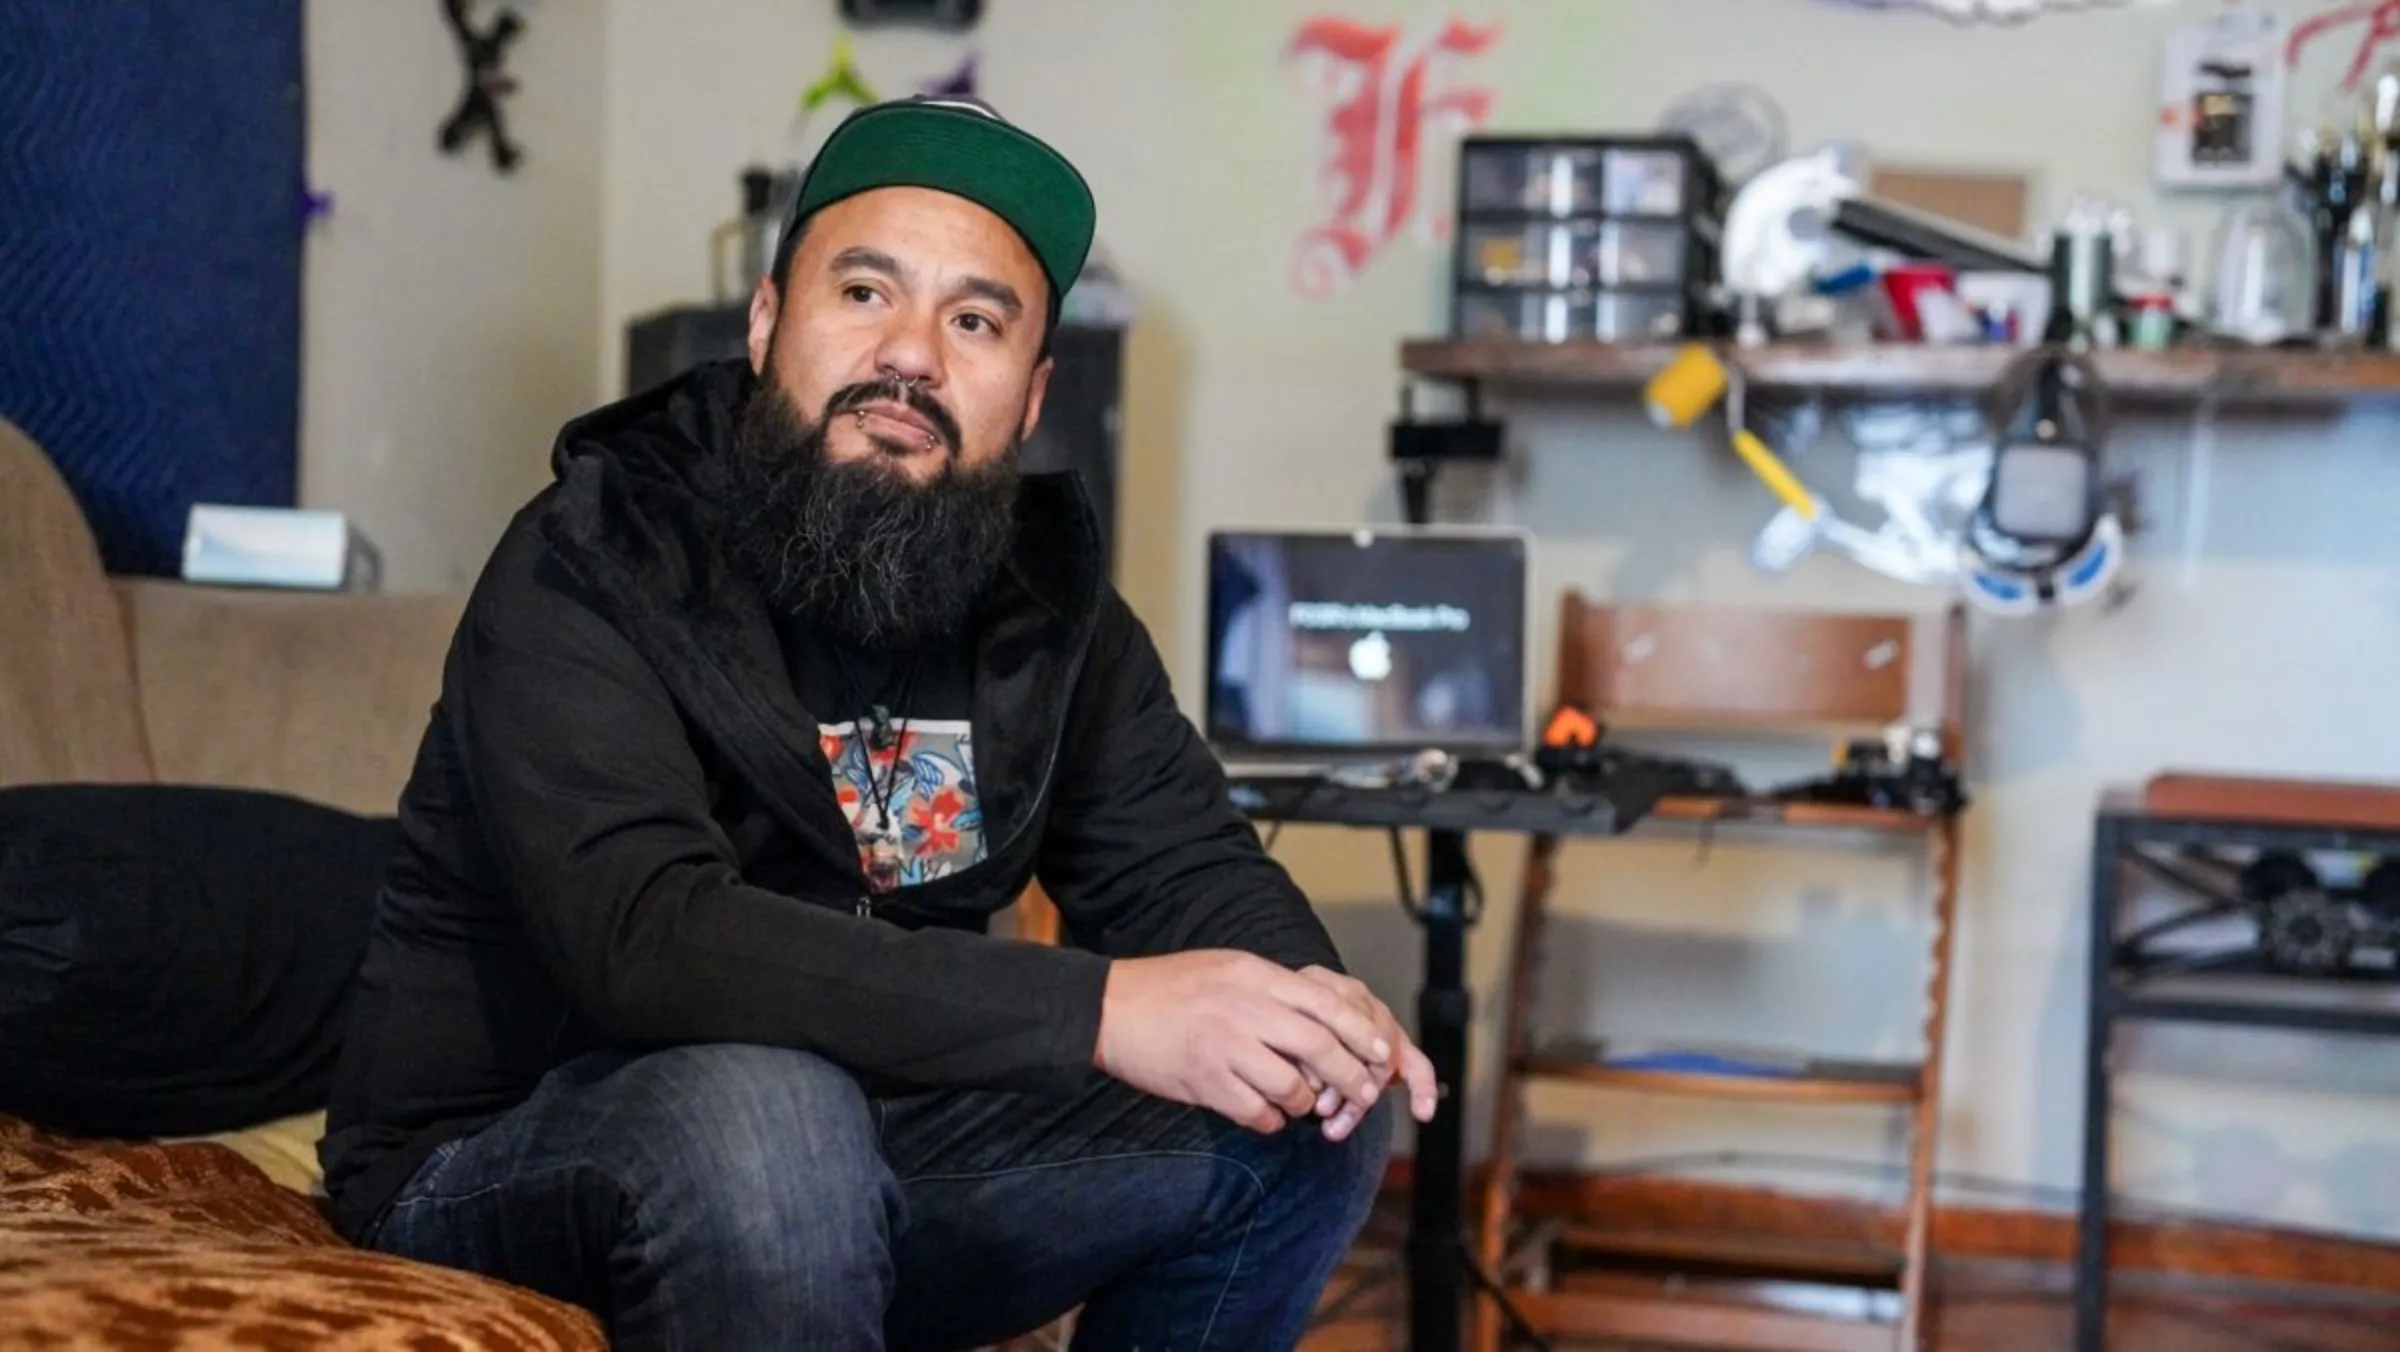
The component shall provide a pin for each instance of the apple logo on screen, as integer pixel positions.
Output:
(1371, 657)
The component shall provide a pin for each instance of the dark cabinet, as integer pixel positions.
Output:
(670, 342)
(1079, 423)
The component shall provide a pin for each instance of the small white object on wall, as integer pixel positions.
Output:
(2221, 97)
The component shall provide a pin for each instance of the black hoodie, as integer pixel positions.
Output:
(621, 831)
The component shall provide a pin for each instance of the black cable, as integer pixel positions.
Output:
(1408, 898)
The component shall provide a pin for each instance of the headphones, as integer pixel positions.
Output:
(2044, 533)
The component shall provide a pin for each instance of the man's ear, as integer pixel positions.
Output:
(1033, 396)
(765, 304)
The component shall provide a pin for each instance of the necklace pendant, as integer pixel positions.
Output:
(883, 858)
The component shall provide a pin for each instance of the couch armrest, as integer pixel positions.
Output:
(321, 695)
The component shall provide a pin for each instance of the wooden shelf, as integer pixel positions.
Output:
(1810, 1081)
(1688, 1322)
(1781, 1255)
(2234, 375)
(1776, 812)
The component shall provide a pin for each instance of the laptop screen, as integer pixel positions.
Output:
(1386, 640)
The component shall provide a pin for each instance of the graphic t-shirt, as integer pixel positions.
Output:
(895, 728)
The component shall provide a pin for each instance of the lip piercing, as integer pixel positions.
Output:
(931, 440)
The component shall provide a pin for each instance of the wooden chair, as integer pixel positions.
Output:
(1037, 916)
(1731, 671)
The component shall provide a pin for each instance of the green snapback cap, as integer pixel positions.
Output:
(960, 145)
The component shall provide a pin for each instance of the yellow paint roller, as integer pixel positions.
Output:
(1688, 386)
(1770, 469)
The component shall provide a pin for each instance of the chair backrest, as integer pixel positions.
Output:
(68, 707)
(1735, 669)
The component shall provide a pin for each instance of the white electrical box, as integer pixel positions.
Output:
(2220, 110)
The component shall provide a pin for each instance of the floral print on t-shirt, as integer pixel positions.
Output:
(911, 804)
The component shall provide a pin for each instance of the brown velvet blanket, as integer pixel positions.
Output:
(145, 1247)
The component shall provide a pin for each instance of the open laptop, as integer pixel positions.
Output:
(1343, 647)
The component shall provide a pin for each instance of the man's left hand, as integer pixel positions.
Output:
(1343, 1113)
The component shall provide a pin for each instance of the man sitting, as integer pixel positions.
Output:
(680, 1004)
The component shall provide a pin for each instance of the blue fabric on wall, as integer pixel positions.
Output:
(152, 160)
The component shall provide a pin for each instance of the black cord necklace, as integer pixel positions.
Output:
(879, 732)
(884, 736)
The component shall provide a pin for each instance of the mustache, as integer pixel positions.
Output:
(851, 398)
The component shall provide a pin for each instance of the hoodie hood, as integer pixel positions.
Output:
(638, 483)
(667, 434)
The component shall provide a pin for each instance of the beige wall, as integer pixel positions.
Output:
(449, 310)
(455, 318)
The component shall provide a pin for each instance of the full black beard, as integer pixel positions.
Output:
(858, 548)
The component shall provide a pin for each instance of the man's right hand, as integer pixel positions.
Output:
(1239, 1035)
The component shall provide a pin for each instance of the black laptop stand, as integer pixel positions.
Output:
(1439, 1265)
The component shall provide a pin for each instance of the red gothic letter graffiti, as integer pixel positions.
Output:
(2382, 20)
(1383, 89)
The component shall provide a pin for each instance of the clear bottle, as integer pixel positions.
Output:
(2352, 266)
(2265, 276)
(2386, 201)
(2358, 272)
(2337, 180)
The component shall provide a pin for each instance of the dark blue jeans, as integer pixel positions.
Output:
(728, 1197)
